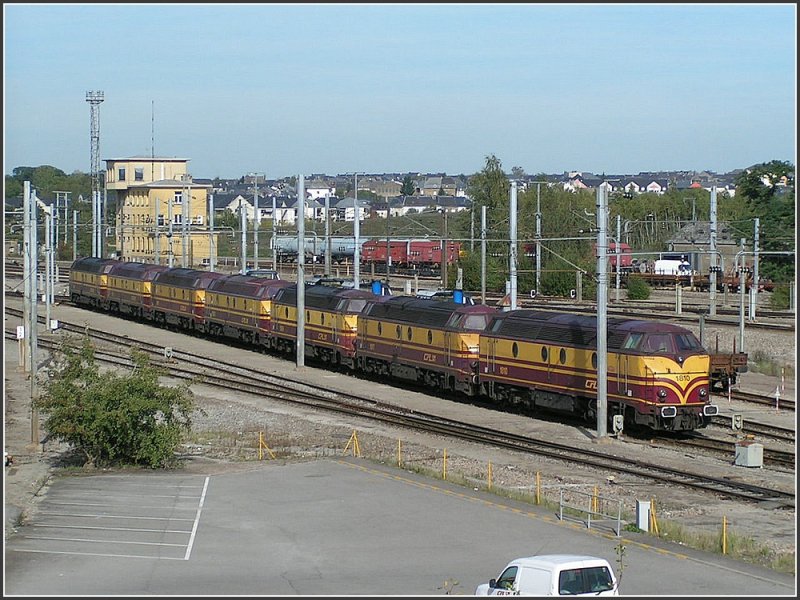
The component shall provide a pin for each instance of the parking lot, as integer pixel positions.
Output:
(323, 527)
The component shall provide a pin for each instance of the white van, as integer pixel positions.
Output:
(553, 575)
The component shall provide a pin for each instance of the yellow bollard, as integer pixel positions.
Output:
(444, 465)
(490, 475)
(262, 444)
(399, 456)
(538, 487)
(594, 500)
(653, 520)
(724, 534)
(356, 448)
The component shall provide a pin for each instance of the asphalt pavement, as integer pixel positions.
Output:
(343, 526)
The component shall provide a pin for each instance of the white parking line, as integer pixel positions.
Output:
(191, 533)
(95, 554)
(94, 516)
(112, 528)
(196, 520)
(115, 542)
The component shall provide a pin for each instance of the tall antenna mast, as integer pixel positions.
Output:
(95, 99)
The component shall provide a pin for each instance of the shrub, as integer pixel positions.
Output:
(638, 289)
(780, 297)
(114, 419)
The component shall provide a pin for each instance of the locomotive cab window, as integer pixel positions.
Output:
(632, 342)
(687, 342)
(658, 343)
(475, 322)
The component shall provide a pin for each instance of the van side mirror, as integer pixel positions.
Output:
(492, 584)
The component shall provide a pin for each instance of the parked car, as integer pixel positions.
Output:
(553, 575)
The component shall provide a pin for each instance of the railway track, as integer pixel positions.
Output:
(771, 456)
(241, 379)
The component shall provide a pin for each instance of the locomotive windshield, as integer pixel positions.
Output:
(663, 343)
(355, 305)
(477, 322)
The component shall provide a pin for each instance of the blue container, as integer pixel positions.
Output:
(458, 296)
(377, 288)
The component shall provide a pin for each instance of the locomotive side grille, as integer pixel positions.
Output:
(616, 339)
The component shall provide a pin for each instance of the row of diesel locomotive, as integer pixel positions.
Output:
(533, 360)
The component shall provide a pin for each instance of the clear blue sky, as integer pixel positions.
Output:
(335, 88)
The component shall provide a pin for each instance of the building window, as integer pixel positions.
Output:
(121, 174)
(160, 220)
(138, 173)
(178, 199)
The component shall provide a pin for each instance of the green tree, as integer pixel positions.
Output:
(517, 172)
(114, 419)
(489, 188)
(407, 188)
(769, 191)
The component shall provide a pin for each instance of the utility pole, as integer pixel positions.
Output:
(274, 233)
(30, 316)
(445, 254)
(602, 316)
(356, 231)
(618, 252)
(714, 269)
(301, 278)
(256, 220)
(211, 248)
(754, 287)
(186, 193)
(327, 233)
(538, 240)
(74, 235)
(483, 254)
(512, 255)
(169, 231)
(243, 222)
(388, 244)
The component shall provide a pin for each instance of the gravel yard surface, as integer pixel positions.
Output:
(226, 437)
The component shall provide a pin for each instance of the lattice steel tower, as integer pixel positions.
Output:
(94, 99)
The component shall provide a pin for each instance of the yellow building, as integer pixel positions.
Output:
(153, 223)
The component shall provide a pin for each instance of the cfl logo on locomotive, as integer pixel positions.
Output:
(591, 384)
(428, 357)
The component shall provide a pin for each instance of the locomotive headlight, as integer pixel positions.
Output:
(662, 393)
(703, 392)
(474, 349)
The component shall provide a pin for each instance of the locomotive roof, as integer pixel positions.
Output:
(136, 270)
(248, 286)
(187, 278)
(420, 311)
(571, 328)
(93, 264)
(319, 296)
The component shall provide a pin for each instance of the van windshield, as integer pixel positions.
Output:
(585, 581)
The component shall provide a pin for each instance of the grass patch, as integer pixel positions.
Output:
(739, 547)
(759, 362)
